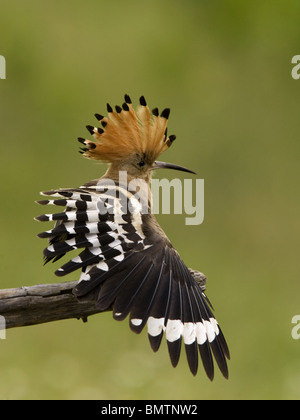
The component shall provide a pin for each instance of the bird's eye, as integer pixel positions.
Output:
(141, 163)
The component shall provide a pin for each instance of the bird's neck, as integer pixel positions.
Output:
(139, 186)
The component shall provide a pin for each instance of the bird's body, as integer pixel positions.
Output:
(128, 264)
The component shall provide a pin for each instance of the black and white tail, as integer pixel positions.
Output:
(131, 267)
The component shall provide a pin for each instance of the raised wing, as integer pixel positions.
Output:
(134, 270)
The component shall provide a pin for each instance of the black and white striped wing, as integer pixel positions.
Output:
(90, 222)
(158, 290)
(134, 271)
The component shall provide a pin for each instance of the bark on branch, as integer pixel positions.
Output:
(42, 303)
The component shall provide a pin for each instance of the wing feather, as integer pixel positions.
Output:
(135, 271)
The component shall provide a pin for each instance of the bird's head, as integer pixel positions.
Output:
(130, 140)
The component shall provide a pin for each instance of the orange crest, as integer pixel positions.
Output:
(126, 132)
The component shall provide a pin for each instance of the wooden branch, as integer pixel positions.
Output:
(43, 303)
(51, 302)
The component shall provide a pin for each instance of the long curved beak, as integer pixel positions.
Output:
(164, 165)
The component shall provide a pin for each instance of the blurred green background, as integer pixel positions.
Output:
(224, 68)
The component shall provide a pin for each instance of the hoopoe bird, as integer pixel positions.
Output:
(127, 262)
